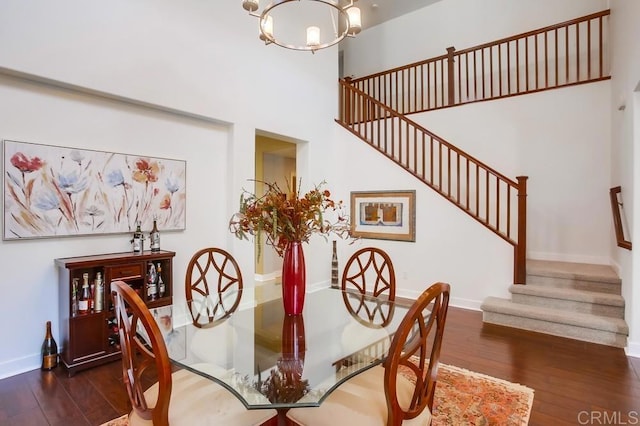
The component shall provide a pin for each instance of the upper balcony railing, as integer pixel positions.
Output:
(565, 54)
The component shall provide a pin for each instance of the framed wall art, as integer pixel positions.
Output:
(54, 191)
(385, 215)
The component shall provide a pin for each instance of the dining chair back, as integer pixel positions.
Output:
(368, 280)
(400, 391)
(415, 353)
(370, 271)
(178, 398)
(213, 285)
(138, 354)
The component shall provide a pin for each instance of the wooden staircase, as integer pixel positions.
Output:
(375, 108)
(567, 299)
(574, 300)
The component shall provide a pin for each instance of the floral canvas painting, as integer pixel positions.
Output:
(53, 191)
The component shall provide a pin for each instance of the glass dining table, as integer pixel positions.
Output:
(270, 360)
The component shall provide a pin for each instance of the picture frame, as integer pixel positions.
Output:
(55, 191)
(384, 215)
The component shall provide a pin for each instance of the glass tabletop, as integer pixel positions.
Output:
(271, 360)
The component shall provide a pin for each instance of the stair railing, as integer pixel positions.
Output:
(491, 198)
(565, 54)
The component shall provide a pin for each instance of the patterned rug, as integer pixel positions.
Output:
(464, 397)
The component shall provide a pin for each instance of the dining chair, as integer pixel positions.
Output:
(368, 284)
(213, 286)
(179, 398)
(401, 389)
(370, 271)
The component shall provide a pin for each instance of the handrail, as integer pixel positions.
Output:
(494, 200)
(560, 55)
(616, 203)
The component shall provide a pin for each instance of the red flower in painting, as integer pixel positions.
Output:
(165, 204)
(24, 164)
(146, 171)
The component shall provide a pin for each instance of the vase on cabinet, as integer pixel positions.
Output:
(293, 278)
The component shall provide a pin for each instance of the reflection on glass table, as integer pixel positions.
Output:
(270, 360)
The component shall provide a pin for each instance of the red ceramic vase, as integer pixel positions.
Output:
(293, 279)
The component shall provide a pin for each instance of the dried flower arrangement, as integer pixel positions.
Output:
(286, 218)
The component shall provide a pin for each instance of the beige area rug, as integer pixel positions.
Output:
(464, 397)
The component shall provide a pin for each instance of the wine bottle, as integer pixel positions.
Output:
(84, 301)
(138, 239)
(334, 267)
(98, 295)
(154, 237)
(152, 288)
(161, 286)
(92, 299)
(49, 350)
(112, 324)
(113, 337)
(74, 297)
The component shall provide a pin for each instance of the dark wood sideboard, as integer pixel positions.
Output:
(91, 338)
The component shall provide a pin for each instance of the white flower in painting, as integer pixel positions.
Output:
(72, 183)
(77, 156)
(172, 183)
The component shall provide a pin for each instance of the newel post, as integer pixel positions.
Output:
(345, 103)
(520, 250)
(450, 76)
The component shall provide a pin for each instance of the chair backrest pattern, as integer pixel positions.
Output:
(416, 348)
(370, 270)
(367, 310)
(139, 354)
(213, 285)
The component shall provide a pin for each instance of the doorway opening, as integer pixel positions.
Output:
(275, 162)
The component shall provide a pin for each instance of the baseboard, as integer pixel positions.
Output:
(633, 349)
(457, 302)
(20, 365)
(267, 277)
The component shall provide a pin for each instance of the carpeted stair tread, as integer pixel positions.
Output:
(596, 322)
(571, 270)
(569, 294)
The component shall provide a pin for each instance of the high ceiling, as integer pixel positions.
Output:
(374, 12)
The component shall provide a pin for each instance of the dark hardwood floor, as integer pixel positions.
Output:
(575, 382)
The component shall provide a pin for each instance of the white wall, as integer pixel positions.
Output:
(602, 140)
(450, 246)
(193, 58)
(625, 119)
(538, 136)
(571, 126)
(459, 23)
(35, 113)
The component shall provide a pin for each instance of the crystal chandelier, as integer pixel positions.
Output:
(307, 25)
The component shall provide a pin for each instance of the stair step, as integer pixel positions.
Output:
(569, 299)
(579, 326)
(579, 276)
